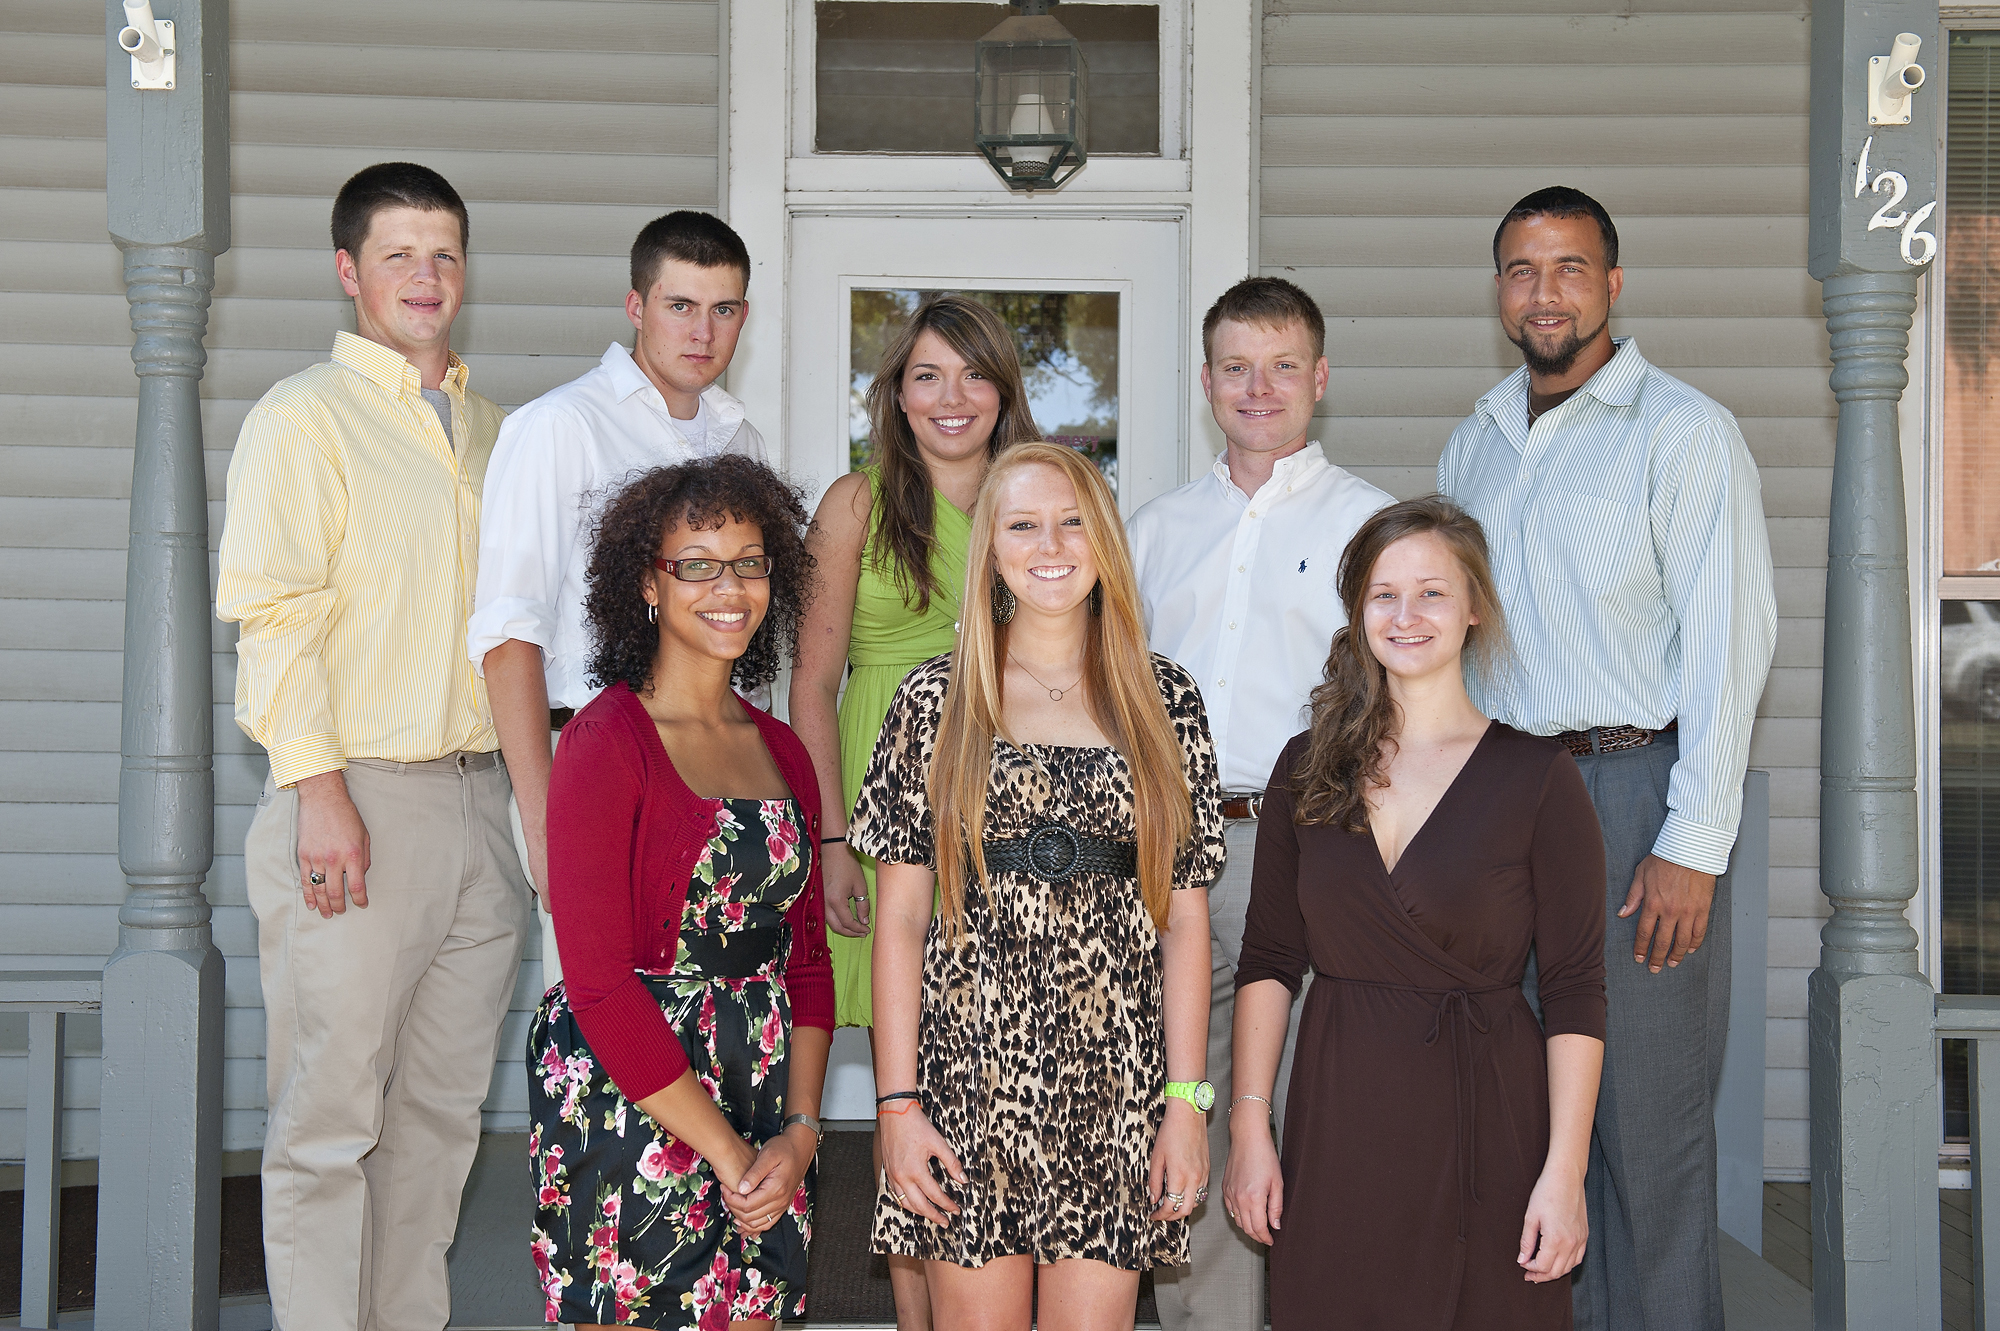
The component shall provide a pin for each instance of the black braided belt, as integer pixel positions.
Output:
(1056, 852)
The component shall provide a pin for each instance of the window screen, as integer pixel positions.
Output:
(1970, 492)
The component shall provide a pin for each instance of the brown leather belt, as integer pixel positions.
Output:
(1243, 808)
(560, 717)
(1611, 739)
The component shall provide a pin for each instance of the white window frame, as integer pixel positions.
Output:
(809, 171)
(1921, 418)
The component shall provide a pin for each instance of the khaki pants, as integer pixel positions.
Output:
(380, 1029)
(551, 959)
(1222, 1287)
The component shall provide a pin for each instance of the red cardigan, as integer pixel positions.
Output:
(625, 833)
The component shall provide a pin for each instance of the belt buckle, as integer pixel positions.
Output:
(1042, 836)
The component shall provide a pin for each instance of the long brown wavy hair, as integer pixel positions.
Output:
(904, 510)
(1354, 720)
(1122, 692)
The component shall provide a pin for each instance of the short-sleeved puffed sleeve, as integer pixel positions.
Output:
(892, 812)
(1200, 860)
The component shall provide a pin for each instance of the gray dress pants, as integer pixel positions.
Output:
(1222, 1287)
(1653, 1260)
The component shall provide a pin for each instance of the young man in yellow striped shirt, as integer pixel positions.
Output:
(390, 904)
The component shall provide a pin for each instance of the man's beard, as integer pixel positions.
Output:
(1554, 364)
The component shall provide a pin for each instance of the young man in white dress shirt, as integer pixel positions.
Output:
(1237, 570)
(560, 457)
(1626, 525)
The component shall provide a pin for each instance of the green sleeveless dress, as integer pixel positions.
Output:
(887, 641)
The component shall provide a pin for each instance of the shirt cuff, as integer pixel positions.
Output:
(312, 755)
(1693, 845)
(504, 617)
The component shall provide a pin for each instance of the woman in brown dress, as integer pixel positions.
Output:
(1411, 852)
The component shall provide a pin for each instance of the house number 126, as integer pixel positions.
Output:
(1890, 217)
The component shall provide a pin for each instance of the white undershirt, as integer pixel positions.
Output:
(696, 430)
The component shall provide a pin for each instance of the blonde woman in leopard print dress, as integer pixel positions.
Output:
(1041, 1033)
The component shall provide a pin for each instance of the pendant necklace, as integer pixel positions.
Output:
(1055, 695)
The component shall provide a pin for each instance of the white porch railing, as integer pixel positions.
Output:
(47, 997)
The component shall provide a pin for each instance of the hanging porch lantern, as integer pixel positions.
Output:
(1032, 88)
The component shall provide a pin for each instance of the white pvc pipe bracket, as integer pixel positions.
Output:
(1891, 80)
(150, 43)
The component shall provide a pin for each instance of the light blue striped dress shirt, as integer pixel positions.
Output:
(1628, 540)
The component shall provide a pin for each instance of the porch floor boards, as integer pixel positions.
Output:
(493, 1287)
(1788, 1243)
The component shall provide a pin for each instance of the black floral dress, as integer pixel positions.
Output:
(1042, 1041)
(629, 1226)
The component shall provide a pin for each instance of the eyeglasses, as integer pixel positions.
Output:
(708, 570)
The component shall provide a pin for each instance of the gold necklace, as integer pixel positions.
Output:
(1055, 695)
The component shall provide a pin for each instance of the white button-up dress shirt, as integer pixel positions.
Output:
(559, 458)
(1627, 535)
(1242, 590)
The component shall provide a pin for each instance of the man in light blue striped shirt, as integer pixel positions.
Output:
(1627, 532)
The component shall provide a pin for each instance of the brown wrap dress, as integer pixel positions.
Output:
(1417, 1121)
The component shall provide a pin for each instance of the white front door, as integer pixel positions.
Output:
(1106, 368)
(1110, 379)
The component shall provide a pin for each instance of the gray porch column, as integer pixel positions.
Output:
(160, 1160)
(1873, 1077)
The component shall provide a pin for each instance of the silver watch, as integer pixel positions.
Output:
(819, 1133)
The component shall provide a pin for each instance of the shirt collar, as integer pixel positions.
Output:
(389, 369)
(1616, 384)
(627, 378)
(1290, 471)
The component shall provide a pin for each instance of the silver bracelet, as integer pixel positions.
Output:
(1258, 1098)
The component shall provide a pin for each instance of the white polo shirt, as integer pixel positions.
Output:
(558, 460)
(1242, 590)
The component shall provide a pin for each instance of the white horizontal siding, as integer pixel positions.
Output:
(566, 124)
(1394, 135)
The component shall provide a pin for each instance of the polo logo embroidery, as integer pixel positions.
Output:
(1302, 566)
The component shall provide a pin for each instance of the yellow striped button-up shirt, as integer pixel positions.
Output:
(349, 556)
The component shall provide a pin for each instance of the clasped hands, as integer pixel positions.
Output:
(767, 1179)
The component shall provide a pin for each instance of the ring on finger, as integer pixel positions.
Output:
(1201, 1194)
(316, 878)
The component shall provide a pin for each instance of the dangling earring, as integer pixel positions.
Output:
(652, 613)
(1004, 602)
(1097, 598)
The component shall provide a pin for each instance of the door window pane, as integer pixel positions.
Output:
(894, 77)
(1969, 495)
(1068, 343)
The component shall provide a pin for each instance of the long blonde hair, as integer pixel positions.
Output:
(1122, 693)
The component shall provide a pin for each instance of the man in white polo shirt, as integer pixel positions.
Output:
(1238, 572)
(559, 457)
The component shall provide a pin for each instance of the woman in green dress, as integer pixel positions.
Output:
(891, 540)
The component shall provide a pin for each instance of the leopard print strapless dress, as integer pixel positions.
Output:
(1042, 1041)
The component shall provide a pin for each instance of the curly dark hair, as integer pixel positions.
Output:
(701, 496)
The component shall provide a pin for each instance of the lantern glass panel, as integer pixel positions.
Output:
(894, 77)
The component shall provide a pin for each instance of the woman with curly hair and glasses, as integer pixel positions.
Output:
(1040, 1036)
(675, 1071)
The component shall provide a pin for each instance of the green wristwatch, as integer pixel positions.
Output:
(1200, 1094)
